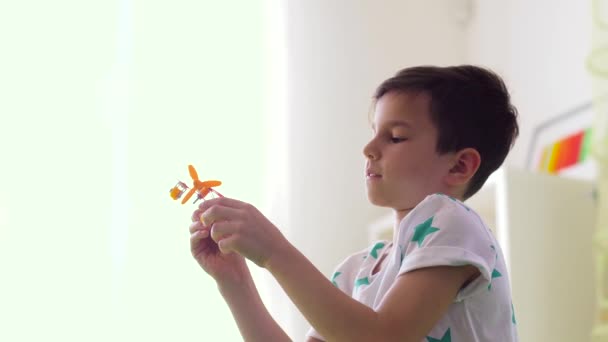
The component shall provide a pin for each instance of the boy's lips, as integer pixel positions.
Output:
(372, 174)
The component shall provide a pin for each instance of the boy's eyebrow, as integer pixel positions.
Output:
(393, 123)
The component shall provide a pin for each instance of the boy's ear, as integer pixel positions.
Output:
(466, 163)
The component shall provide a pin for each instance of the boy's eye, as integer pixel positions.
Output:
(397, 139)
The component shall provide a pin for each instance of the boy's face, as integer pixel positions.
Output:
(403, 166)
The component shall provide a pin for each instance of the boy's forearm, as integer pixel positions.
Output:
(335, 315)
(253, 319)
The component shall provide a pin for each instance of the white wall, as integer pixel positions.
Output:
(337, 53)
(540, 48)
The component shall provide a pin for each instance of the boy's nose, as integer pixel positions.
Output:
(370, 153)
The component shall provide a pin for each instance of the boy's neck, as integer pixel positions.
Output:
(400, 214)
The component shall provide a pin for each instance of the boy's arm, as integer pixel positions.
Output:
(410, 309)
(253, 319)
(235, 284)
(401, 316)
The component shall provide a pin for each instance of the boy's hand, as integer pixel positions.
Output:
(226, 269)
(239, 227)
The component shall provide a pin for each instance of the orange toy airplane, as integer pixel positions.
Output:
(202, 189)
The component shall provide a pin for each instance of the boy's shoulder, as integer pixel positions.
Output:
(439, 204)
(439, 201)
(442, 231)
(441, 211)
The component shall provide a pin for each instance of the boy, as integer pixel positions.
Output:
(438, 134)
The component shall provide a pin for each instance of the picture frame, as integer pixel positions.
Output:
(561, 145)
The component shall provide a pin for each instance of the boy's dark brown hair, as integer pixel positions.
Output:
(470, 106)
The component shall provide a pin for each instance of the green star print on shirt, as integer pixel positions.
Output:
(333, 279)
(375, 249)
(362, 281)
(422, 230)
(447, 337)
(495, 274)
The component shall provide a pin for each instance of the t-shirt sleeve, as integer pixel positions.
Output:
(444, 232)
(313, 333)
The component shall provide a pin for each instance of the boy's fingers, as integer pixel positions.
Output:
(196, 237)
(219, 213)
(220, 230)
(227, 245)
(194, 226)
(196, 215)
(223, 201)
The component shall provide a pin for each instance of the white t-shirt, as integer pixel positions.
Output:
(439, 231)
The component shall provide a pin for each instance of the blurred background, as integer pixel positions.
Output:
(103, 104)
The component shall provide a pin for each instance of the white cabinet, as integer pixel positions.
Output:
(545, 225)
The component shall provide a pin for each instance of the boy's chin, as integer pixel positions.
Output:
(380, 201)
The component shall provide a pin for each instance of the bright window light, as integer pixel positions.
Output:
(104, 104)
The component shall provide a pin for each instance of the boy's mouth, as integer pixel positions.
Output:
(373, 175)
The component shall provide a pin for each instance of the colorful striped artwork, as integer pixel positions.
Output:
(566, 152)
